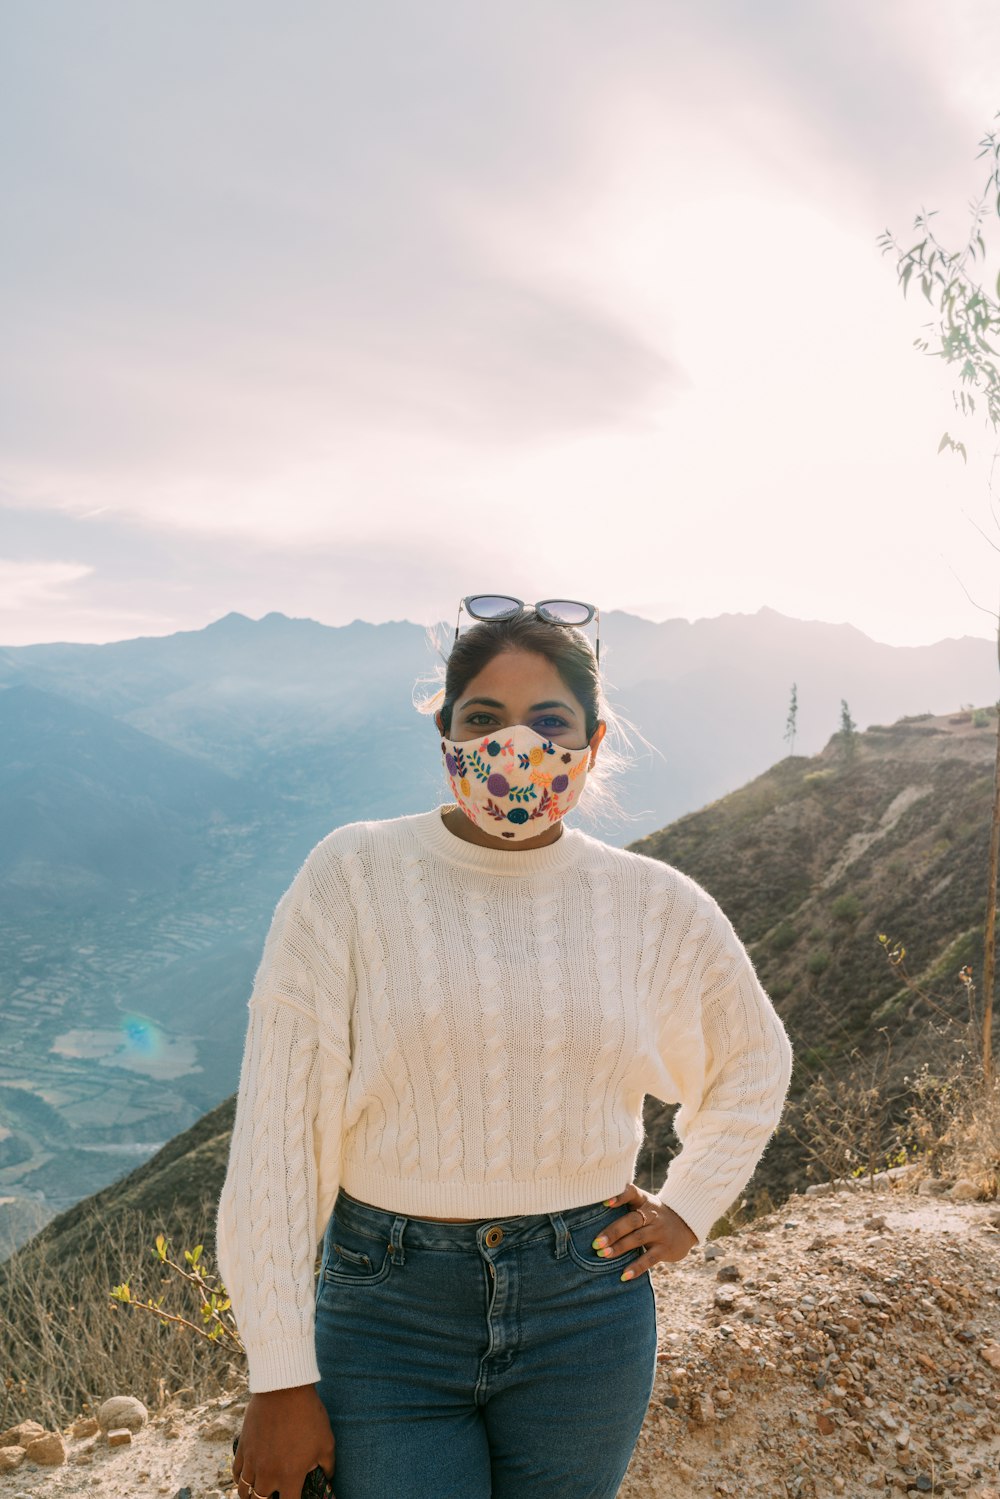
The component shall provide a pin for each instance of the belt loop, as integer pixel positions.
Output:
(561, 1233)
(396, 1252)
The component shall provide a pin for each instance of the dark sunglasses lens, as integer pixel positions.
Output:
(566, 611)
(491, 606)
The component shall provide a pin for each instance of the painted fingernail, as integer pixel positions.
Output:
(609, 1202)
(599, 1243)
(605, 1254)
(627, 1275)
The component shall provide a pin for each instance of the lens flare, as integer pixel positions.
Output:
(141, 1037)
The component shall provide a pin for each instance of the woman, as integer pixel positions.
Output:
(453, 1027)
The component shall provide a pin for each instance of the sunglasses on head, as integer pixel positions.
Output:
(492, 607)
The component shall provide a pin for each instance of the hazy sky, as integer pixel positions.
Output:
(348, 311)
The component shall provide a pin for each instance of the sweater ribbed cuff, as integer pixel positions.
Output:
(696, 1203)
(283, 1365)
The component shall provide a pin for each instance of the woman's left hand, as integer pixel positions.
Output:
(664, 1236)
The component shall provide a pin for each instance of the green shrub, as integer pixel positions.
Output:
(818, 961)
(846, 908)
(980, 719)
(783, 937)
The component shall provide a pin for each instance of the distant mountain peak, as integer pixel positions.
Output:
(231, 621)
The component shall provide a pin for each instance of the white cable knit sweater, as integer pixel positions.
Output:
(456, 1031)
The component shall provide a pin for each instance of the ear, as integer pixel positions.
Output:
(596, 738)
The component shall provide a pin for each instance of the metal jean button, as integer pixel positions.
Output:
(493, 1237)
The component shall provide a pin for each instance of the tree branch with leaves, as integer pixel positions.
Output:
(964, 333)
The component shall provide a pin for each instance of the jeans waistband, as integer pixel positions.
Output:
(424, 1233)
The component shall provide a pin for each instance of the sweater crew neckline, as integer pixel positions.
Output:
(432, 833)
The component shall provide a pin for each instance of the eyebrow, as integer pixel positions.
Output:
(491, 702)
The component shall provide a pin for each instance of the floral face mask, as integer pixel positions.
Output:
(515, 783)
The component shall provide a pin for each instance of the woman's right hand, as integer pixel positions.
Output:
(285, 1434)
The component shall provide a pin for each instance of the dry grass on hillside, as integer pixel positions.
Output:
(65, 1343)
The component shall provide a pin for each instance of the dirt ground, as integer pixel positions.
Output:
(846, 1345)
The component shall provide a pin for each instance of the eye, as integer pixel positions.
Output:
(560, 723)
(471, 717)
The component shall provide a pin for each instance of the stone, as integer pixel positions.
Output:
(48, 1450)
(21, 1434)
(221, 1429)
(702, 1409)
(990, 1353)
(85, 1426)
(964, 1190)
(122, 1410)
(11, 1457)
(119, 1437)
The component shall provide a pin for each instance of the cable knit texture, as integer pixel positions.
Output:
(455, 1031)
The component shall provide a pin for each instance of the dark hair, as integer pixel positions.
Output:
(571, 653)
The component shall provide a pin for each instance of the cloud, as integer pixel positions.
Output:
(311, 310)
(267, 258)
(25, 584)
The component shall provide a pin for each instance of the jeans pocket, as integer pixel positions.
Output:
(582, 1252)
(356, 1260)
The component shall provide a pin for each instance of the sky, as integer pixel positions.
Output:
(350, 311)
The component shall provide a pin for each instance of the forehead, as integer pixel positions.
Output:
(515, 677)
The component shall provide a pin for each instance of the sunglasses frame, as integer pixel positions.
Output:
(519, 604)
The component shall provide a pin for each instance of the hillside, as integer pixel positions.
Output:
(844, 1345)
(92, 809)
(817, 857)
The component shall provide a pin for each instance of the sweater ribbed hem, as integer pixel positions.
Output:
(481, 1200)
(283, 1365)
(434, 836)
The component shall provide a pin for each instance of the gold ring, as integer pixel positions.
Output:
(642, 1215)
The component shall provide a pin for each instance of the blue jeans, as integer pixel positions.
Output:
(501, 1359)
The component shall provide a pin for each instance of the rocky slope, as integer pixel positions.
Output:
(817, 857)
(848, 1344)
